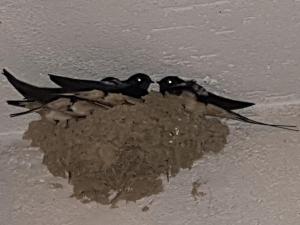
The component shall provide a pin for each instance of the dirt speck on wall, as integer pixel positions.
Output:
(122, 153)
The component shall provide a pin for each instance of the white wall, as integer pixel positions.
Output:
(245, 48)
(251, 48)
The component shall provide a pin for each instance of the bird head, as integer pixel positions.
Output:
(139, 80)
(168, 82)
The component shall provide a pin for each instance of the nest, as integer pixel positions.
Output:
(124, 153)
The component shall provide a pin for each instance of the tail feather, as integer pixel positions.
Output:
(22, 87)
(26, 112)
(32, 106)
(247, 120)
(32, 92)
(19, 103)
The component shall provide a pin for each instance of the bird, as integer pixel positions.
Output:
(54, 104)
(129, 91)
(60, 104)
(215, 105)
(226, 103)
(44, 94)
(57, 111)
(135, 86)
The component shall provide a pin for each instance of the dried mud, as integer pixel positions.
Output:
(123, 153)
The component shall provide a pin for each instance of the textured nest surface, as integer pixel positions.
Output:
(122, 153)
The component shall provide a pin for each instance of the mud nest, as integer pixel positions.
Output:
(124, 152)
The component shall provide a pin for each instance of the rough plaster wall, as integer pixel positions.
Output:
(246, 49)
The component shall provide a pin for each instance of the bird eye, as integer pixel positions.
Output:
(170, 82)
(139, 79)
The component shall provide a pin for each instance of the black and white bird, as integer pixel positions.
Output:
(62, 104)
(176, 85)
(214, 105)
(129, 91)
(135, 86)
(55, 104)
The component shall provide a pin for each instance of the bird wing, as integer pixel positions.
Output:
(226, 103)
(72, 84)
(208, 97)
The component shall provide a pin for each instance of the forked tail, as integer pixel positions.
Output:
(247, 120)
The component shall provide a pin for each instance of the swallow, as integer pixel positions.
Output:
(226, 103)
(55, 104)
(56, 111)
(77, 103)
(44, 94)
(135, 86)
(214, 105)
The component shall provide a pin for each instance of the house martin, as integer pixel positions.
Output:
(214, 105)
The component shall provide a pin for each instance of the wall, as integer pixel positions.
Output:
(242, 48)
